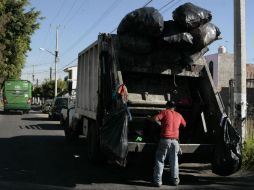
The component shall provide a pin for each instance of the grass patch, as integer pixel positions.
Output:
(248, 150)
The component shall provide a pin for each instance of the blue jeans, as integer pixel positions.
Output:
(167, 148)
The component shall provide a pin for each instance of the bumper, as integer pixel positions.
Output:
(193, 152)
(17, 107)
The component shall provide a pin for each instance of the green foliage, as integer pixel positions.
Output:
(37, 91)
(47, 89)
(61, 87)
(16, 28)
(248, 153)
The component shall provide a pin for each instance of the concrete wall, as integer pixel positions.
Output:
(214, 59)
(225, 69)
(250, 75)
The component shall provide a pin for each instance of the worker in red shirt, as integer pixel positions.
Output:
(168, 145)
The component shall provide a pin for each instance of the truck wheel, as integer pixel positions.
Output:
(70, 134)
(93, 149)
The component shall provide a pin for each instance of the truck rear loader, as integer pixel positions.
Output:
(117, 90)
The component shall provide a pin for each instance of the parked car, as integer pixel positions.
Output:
(46, 106)
(57, 106)
(67, 112)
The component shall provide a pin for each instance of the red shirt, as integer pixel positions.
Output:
(170, 123)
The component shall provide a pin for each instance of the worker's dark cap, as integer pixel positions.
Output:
(170, 104)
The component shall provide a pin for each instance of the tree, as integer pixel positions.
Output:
(16, 28)
(47, 89)
(37, 91)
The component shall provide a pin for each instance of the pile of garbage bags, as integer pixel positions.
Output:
(144, 32)
(145, 38)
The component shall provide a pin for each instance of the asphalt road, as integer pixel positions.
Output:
(35, 155)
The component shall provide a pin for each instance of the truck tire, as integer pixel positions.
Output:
(93, 148)
(70, 134)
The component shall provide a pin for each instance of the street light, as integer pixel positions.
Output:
(56, 58)
(43, 49)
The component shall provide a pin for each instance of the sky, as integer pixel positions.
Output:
(80, 21)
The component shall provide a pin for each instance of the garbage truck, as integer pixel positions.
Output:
(115, 125)
(126, 77)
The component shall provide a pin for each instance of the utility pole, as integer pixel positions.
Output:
(50, 73)
(56, 59)
(33, 73)
(56, 55)
(240, 68)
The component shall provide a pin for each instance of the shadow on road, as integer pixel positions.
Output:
(36, 119)
(42, 126)
(50, 160)
(11, 112)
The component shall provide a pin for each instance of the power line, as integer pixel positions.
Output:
(75, 13)
(68, 64)
(166, 5)
(58, 12)
(44, 41)
(171, 6)
(27, 66)
(69, 12)
(40, 72)
(91, 28)
(147, 3)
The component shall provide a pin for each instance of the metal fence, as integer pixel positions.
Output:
(250, 121)
(250, 105)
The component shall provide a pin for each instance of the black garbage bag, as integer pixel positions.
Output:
(171, 56)
(182, 39)
(146, 21)
(175, 35)
(152, 61)
(191, 16)
(227, 154)
(114, 140)
(190, 57)
(204, 35)
(135, 44)
(171, 28)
